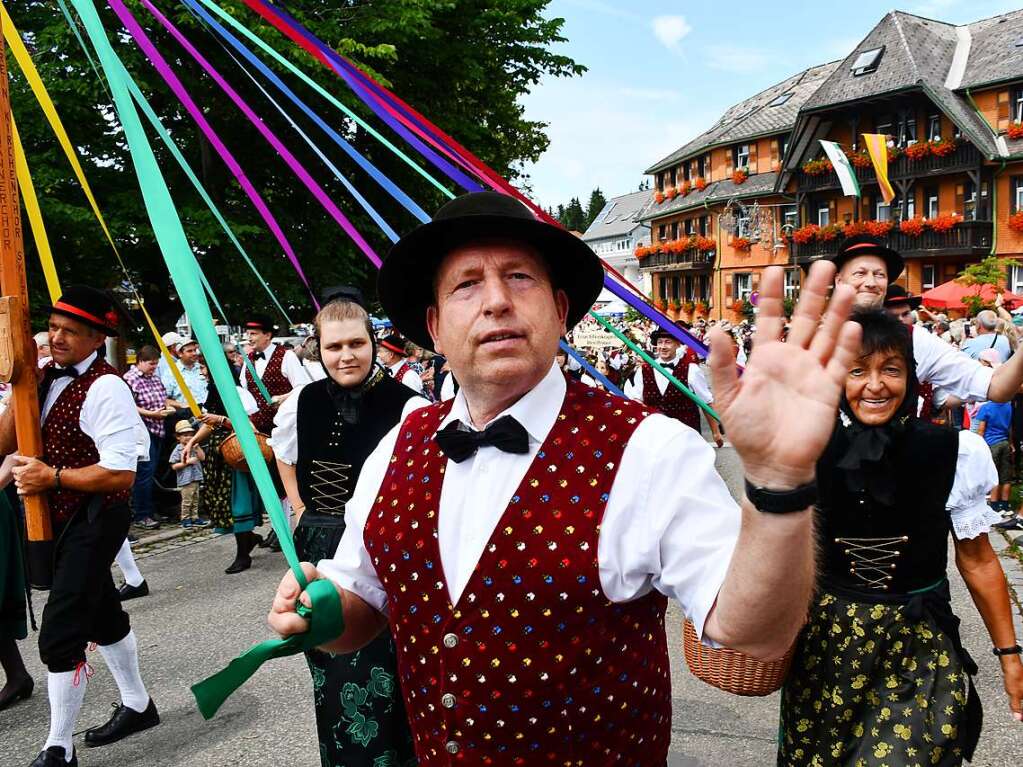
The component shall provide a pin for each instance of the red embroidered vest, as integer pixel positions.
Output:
(400, 373)
(533, 665)
(275, 382)
(673, 403)
(66, 446)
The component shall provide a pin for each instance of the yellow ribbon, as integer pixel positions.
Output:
(35, 216)
(28, 68)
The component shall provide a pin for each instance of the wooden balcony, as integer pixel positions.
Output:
(965, 157)
(967, 238)
(691, 259)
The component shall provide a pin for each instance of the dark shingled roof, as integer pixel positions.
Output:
(994, 55)
(718, 191)
(918, 54)
(753, 117)
(617, 217)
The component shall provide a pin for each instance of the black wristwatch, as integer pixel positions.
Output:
(56, 479)
(782, 501)
(1000, 651)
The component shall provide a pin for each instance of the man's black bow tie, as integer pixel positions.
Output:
(505, 434)
(53, 373)
(258, 356)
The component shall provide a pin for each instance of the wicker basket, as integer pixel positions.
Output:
(231, 451)
(733, 671)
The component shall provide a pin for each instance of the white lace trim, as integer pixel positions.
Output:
(974, 521)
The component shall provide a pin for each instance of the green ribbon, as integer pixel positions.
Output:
(656, 366)
(326, 622)
(324, 616)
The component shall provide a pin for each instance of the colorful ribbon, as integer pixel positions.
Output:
(325, 616)
(407, 202)
(35, 215)
(28, 68)
(585, 363)
(142, 39)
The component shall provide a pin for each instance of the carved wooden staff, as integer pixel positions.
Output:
(17, 353)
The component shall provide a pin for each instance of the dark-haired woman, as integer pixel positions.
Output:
(322, 436)
(880, 675)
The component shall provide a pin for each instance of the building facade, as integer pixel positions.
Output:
(615, 236)
(950, 100)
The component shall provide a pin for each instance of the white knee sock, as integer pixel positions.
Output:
(126, 561)
(66, 690)
(123, 660)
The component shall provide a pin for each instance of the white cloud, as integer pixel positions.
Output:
(734, 58)
(670, 30)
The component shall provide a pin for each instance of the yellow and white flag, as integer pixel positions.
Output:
(877, 147)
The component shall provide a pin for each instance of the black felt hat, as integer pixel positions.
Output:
(393, 342)
(95, 308)
(260, 322)
(405, 282)
(868, 245)
(896, 295)
(343, 293)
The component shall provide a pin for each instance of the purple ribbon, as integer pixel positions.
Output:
(183, 96)
(296, 167)
(681, 334)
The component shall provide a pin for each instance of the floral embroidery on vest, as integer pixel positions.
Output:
(673, 403)
(533, 665)
(66, 446)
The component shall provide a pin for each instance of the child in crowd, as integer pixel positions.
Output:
(994, 423)
(189, 473)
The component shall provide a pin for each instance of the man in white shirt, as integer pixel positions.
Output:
(867, 265)
(280, 370)
(191, 372)
(391, 354)
(163, 371)
(523, 538)
(93, 438)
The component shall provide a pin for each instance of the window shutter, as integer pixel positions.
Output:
(832, 212)
(961, 198)
(775, 152)
(731, 161)
(753, 157)
(1004, 109)
(730, 288)
(1013, 187)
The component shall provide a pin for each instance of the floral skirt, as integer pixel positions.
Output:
(215, 496)
(360, 712)
(877, 684)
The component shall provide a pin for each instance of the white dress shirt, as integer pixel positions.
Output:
(284, 437)
(411, 378)
(945, 367)
(669, 524)
(314, 370)
(699, 384)
(291, 367)
(109, 418)
(634, 387)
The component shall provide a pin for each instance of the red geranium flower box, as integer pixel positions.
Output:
(912, 227)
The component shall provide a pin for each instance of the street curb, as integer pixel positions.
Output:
(1007, 547)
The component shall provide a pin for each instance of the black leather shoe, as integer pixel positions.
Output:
(127, 592)
(12, 693)
(240, 565)
(262, 542)
(123, 723)
(54, 757)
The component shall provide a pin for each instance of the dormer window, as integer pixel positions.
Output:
(867, 61)
(740, 155)
(1017, 105)
(779, 100)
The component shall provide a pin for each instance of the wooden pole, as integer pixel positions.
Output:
(16, 340)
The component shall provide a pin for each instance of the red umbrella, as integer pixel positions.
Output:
(950, 295)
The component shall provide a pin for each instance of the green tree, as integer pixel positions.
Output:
(462, 63)
(574, 218)
(991, 271)
(597, 203)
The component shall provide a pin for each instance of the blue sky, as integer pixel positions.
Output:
(661, 72)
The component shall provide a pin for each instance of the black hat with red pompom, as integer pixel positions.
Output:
(90, 306)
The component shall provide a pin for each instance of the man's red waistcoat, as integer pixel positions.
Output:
(533, 665)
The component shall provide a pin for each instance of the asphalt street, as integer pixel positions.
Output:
(197, 619)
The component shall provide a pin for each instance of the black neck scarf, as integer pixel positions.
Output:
(348, 400)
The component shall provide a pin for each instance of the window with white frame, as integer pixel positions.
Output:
(931, 198)
(742, 227)
(928, 278)
(882, 210)
(792, 283)
(910, 208)
(1016, 278)
(1017, 106)
(789, 216)
(823, 215)
(742, 156)
(934, 127)
(743, 285)
(907, 131)
(1017, 192)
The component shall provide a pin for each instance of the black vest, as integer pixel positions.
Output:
(331, 453)
(883, 550)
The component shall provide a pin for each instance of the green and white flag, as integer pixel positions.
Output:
(844, 169)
